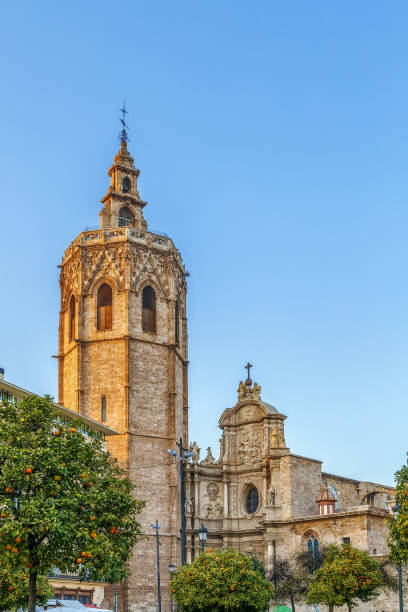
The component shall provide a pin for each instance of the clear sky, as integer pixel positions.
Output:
(272, 141)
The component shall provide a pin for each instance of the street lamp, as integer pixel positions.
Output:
(171, 570)
(183, 455)
(202, 534)
(395, 510)
(156, 527)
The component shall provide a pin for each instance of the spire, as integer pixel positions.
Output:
(123, 137)
(122, 205)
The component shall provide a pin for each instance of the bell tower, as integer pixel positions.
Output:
(123, 360)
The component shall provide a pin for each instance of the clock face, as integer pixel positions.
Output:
(126, 184)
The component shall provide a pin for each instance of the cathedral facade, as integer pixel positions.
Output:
(123, 361)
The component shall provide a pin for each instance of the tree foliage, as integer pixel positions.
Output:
(398, 536)
(347, 575)
(63, 499)
(14, 588)
(219, 581)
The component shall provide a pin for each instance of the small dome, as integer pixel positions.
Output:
(269, 408)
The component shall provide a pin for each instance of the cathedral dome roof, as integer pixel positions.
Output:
(269, 408)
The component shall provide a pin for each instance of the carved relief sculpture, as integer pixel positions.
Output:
(248, 451)
(212, 490)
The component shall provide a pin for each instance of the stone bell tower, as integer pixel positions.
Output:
(123, 360)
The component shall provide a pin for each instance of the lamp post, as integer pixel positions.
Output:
(156, 527)
(171, 570)
(183, 455)
(202, 534)
(396, 509)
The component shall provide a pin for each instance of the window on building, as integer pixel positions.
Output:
(126, 217)
(126, 184)
(252, 500)
(334, 493)
(371, 499)
(85, 599)
(69, 597)
(103, 409)
(72, 318)
(149, 310)
(345, 540)
(313, 551)
(176, 323)
(104, 300)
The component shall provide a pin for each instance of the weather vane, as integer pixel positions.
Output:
(123, 134)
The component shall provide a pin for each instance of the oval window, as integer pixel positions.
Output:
(252, 500)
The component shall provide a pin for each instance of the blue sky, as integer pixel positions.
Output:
(273, 143)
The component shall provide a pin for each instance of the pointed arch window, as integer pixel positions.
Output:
(104, 300)
(72, 318)
(176, 323)
(126, 217)
(313, 552)
(149, 310)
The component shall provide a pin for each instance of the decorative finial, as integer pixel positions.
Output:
(123, 134)
(248, 381)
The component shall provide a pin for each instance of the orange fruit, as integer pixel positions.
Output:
(79, 560)
(91, 518)
(89, 555)
(93, 534)
(72, 430)
(28, 470)
(56, 433)
(57, 478)
(8, 546)
(83, 554)
(18, 539)
(112, 530)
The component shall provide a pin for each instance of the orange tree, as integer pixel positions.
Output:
(221, 580)
(14, 589)
(63, 499)
(398, 536)
(347, 575)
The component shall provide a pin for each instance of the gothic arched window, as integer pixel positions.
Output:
(149, 310)
(104, 301)
(176, 323)
(252, 500)
(334, 493)
(313, 551)
(126, 217)
(72, 318)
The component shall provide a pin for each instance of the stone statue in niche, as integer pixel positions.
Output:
(209, 458)
(214, 511)
(271, 496)
(188, 507)
(196, 452)
(256, 392)
(212, 490)
(248, 451)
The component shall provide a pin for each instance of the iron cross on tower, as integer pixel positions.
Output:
(248, 367)
(123, 135)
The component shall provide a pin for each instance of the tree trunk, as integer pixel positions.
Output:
(330, 609)
(292, 602)
(32, 591)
